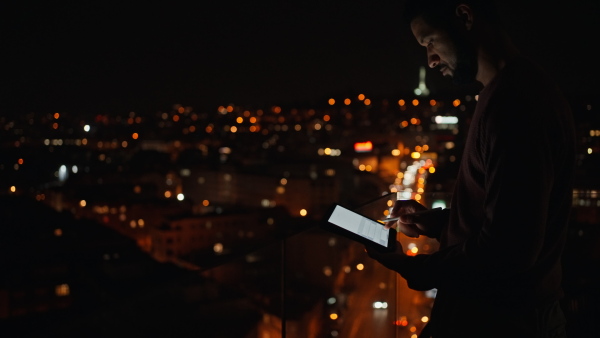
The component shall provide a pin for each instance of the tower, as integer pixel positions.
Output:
(422, 89)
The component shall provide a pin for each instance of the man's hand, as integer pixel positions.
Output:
(415, 219)
(391, 260)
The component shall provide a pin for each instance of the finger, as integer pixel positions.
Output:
(391, 225)
(410, 218)
(409, 230)
(400, 207)
(406, 207)
(406, 218)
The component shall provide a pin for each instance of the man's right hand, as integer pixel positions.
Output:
(416, 219)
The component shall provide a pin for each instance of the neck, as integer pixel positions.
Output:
(495, 51)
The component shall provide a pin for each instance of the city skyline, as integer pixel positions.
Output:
(126, 173)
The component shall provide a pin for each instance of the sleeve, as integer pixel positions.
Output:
(518, 172)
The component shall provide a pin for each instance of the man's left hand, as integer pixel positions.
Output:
(391, 260)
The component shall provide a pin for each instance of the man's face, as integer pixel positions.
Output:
(449, 51)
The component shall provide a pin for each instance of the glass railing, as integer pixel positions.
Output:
(313, 283)
(298, 281)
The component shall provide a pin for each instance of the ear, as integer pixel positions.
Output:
(465, 14)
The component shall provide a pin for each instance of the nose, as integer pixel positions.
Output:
(433, 60)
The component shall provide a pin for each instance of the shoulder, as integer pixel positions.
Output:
(523, 86)
(524, 78)
(523, 100)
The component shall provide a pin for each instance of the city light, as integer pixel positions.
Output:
(401, 322)
(362, 147)
(62, 290)
(446, 119)
(63, 173)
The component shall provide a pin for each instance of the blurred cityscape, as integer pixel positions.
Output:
(190, 223)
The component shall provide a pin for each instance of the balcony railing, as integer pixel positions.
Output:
(300, 281)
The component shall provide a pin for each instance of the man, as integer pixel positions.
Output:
(498, 269)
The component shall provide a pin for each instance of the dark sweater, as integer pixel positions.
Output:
(500, 254)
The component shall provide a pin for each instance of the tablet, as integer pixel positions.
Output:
(345, 222)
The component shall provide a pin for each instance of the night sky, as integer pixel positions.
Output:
(109, 57)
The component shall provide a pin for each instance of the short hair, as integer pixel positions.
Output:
(439, 13)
